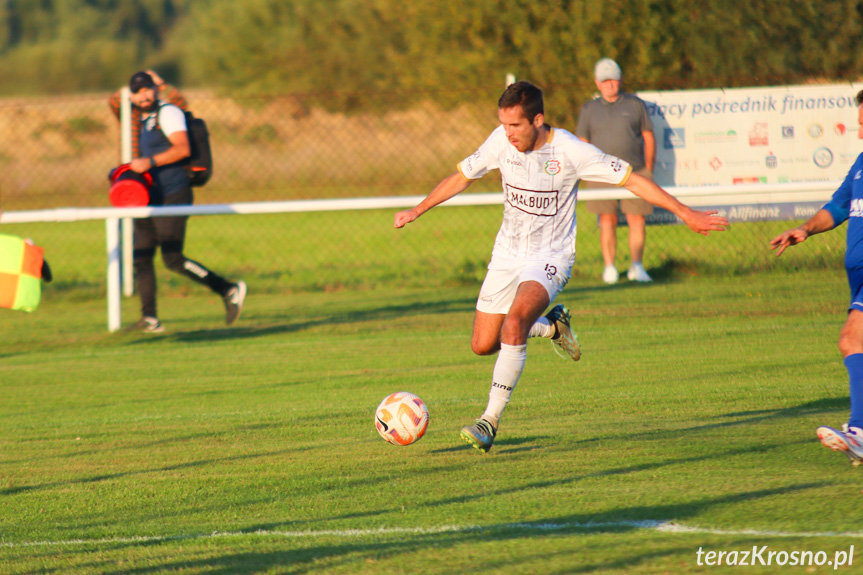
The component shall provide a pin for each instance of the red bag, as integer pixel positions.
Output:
(129, 189)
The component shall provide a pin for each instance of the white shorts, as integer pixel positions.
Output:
(504, 276)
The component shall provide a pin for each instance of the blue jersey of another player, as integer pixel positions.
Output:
(847, 204)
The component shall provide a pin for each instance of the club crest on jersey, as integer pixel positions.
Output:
(552, 167)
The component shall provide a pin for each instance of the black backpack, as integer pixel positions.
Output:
(199, 164)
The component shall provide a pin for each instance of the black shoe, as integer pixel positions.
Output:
(47, 276)
(147, 324)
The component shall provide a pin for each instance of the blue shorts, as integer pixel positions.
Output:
(855, 280)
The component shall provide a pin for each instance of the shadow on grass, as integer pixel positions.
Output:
(332, 317)
(167, 468)
(501, 445)
(373, 548)
(287, 322)
(822, 405)
(815, 407)
(506, 492)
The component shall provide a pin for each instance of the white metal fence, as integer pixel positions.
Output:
(753, 195)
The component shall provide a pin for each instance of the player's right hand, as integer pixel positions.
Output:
(788, 239)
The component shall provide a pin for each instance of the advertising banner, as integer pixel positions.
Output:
(736, 136)
(754, 135)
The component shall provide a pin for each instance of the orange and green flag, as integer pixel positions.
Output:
(20, 273)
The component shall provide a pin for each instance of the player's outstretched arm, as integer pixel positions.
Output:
(822, 221)
(701, 222)
(449, 187)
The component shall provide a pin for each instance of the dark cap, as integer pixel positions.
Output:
(141, 80)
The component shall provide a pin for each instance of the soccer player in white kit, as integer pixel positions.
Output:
(534, 251)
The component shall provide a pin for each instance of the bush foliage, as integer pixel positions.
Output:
(340, 49)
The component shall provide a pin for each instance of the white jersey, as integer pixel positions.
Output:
(540, 189)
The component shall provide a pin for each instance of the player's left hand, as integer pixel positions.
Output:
(405, 217)
(704, 222)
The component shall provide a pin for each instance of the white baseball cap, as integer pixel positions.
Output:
(607, 69)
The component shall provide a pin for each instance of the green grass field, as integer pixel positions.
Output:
(688, 424)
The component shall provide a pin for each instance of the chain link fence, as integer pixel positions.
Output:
(57, 152)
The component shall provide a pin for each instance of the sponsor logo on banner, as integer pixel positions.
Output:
(758, 135)
(788, 161)
(770, 161)
(744, 212)
(674, 138)
(534, 202)
(787, 132)
(742, 163)
(815, 131)
(552, 167)
(715, 163)
(823, 157)
(750, 180)
(840, 129)
(715, 136)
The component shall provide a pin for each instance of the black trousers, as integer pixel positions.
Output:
(168, 234)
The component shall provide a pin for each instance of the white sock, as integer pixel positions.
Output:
(507, 369)
(542, 328)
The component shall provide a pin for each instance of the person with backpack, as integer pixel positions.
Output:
(163, 147)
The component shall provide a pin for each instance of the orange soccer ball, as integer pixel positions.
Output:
(402, 418)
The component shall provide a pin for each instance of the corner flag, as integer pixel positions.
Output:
(20, 273)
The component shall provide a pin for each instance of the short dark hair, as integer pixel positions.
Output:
(860, 98)
(523, 94)
(139, 81)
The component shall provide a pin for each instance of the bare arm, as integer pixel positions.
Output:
(698, 221)
(179, 150)
(822, 221)
(449, 187)
(649, 149)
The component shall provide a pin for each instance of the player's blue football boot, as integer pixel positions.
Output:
(849, 441)
(565, 339)
(479, 435)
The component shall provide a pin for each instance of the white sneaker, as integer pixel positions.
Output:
(610, 275)
(637, 273)
(849, 441)
(234, 302)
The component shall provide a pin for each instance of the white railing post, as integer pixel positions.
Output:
(113, 249)
(125, 158)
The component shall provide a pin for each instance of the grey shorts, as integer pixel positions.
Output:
(629, 206)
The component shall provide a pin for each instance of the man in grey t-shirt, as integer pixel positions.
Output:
(618, 124)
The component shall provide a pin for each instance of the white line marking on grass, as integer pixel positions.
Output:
(647, 525)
